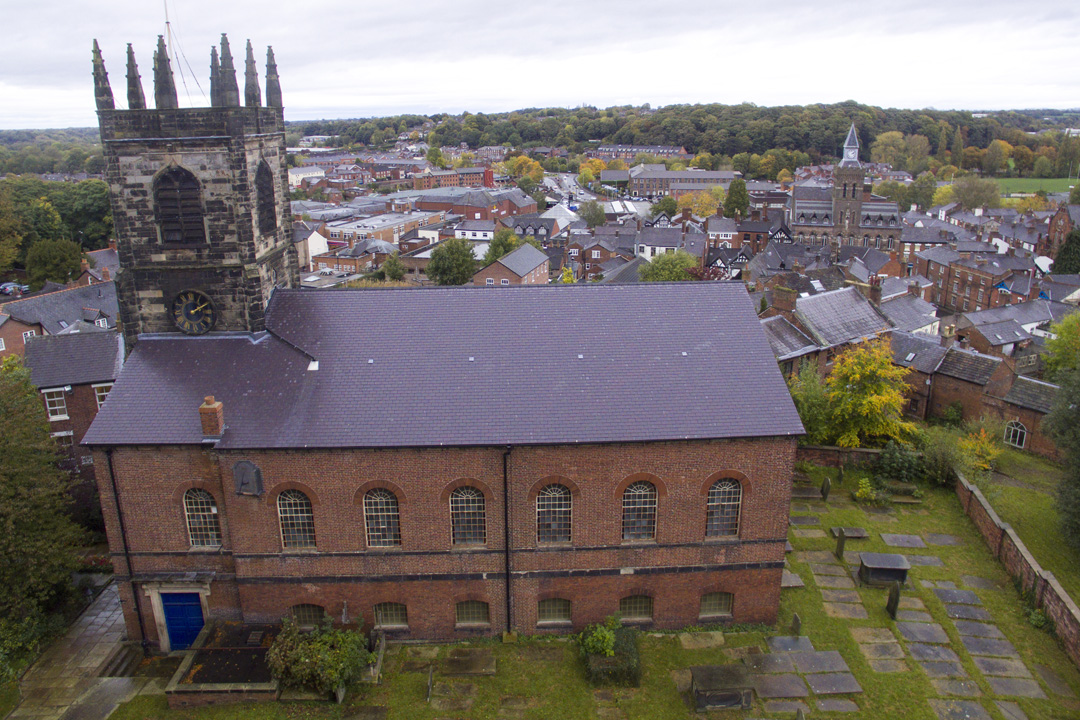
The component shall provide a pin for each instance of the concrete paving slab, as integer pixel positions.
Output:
(988, 646)
(908, 602)
(1016, 687)
(978, 629)
(847, 611)
(789, 643)
(822, 569)
(872, 635)
(888, 666)
(837, 706)
(1001, 667)
(922, 632)
(959, 688)
(779, 686)
(100, 701)
(958, 710)
(903, 541)
(840, 596)
(819, 661)
(914, 616)
(957, 597)
(924, 561)
(817, 556)
(701, 640)
(789, 579)
(804, 520)
(1054, 681)
(932, 653)
(830, 581)
(882, 651)
(979, 583)
(967, 612)
(852, 557)
(1010, 710)
(841, 683)
(944, 669)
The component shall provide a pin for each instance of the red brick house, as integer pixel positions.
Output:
(494, 494)
(524, 266)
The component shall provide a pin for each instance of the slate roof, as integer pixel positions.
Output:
(628, 272)
(908, 313)
(839, 316)
(102, 259)
(1032, 312)
(786, 340)
(659, 237)
(487, 367)
(524, 260)
(893, 286)
(56, 310)
(922, 352)
(75, 358)
(1032, 394)
(968, 365)
(1003, 333)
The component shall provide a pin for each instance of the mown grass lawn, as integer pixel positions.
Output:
(549, 670)
(9, 698)
(1030, 185)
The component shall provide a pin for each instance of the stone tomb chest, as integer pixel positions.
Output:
(714, 687)
(883, 569)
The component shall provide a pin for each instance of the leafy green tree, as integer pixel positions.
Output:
(921, 192)
(504, 242)
(452, 262)
(974, 192)
(11, 233)
(669, 267)
(1044, 168)
(1062, 423)
(56, 260)
(592, 213)
(737, 200)
(1067, 259)
(393, 269)
(666, 205)
(567, 276)
(866, 396)
(812, 403)
(1074, 194)
(541, 200)
(38, 542)
(435, 157)
(957, 147)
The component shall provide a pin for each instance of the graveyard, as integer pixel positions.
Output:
(954, 641)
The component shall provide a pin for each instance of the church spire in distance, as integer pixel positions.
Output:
(136, 99)
(102, 90)
(851, 148)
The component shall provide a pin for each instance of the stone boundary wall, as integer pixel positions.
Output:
(831, 456)
(1014, 556)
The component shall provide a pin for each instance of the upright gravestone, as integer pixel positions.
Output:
(840, 538)
(840, 474)
(796, 625)
(894, 600)
(826, 486)
(800, 715)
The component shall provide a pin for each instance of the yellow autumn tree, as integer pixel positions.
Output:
(701, 203)
(866, 397)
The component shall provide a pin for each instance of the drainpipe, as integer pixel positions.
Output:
(506, 532)
(127, 551)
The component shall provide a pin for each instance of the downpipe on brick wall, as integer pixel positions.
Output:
(127, 551)
(506, 533)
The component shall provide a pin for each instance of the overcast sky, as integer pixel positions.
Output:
(363, 58)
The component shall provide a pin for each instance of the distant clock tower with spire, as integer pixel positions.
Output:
(848, 179)
(199, 198)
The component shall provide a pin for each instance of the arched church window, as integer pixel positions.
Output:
(264, 196)
(178, 207)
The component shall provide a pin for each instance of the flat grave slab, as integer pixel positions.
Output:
(840, 596)
(851, 533)
(958, 597)
(940, 539)
(701, 640)
(785, 706)
(789, 579)
(851, 557)
(872, 635)
(779, 686)
(789, 643)
(720, 686)
(423, 652)
(770, 664)
(960, 688)
(1054, 681)
(1016, 687)
(809, 533)
(882, 651)
(741, 653)
(944, 669)
(834, 581)
(923, 633)
(818, 556)
(958, 710)
(819, 661)
(903, 541)
(914, 616)
(804, 520)
(911, 603)
(979, 583)
(823, 569)
(1010, 710)
(788, 547)
(932, 653)
(469, 661)
(842, 683)
(883, 568)
(988, 646)
(925, 561)
(847, 611)
(1001, 667)
(967, 612)
(837, 706)
(805, 492)
(978, 629)
(943, 584)
(888, 666)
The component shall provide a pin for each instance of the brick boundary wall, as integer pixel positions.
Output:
(1014, 556)
(832, 456)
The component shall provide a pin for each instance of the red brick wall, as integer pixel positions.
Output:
(11, 332)
(257, 581)
(947, 390)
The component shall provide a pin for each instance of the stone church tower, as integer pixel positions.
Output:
(848, 180)
(199, 198)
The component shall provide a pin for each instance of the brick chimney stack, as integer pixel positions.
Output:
(875, 290)
(105, 275)
(212, 418)
(783, 299)
(914, 289)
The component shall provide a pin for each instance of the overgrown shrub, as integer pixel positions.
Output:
(322, 659)
(869, 494)
(979, 450)
(622, 667)
(953, 415)
(940, 454)
(599, 638)
(898, 462)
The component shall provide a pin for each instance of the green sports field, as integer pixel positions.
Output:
(1030, 185)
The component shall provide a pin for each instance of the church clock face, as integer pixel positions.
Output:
(194, 312)
(850, 154)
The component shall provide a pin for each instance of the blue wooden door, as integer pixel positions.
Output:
(183, 618)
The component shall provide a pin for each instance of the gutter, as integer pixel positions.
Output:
(127, 550)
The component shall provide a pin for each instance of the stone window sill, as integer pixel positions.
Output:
(300, 551)
(722, 539)
(472, 626)
(204, 549)
(468, 548)
(640, 543)
(554, 624)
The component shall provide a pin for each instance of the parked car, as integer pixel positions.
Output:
(10, 288)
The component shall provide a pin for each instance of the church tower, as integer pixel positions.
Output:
(848, 179)
(199, 198)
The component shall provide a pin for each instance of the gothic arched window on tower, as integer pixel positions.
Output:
(264, 195)
(178, 206)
